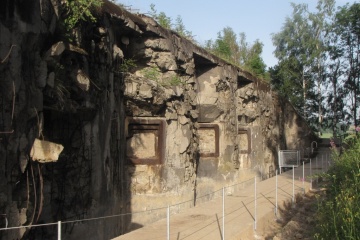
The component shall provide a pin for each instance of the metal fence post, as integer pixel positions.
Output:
(59, 230)
(303, 177)
(255, 206)
(276, 193)
(279, 161)
(223, 210)
(293, 196)
(310, 175)
(168, 222)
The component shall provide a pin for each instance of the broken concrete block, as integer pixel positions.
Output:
(117, 53)
(83, 80)
(45, 151)
(55, 50)
(41, 74)
(130, 88)
(51, 80)
(145, 91)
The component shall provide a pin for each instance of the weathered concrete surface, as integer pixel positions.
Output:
(146, 119)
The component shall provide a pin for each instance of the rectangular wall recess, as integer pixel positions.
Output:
(209, 140)
(244, 140)
(145, 142)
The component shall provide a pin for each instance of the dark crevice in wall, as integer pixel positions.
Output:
(242, 82)
(202, 64)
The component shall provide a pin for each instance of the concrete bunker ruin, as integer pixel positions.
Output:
(146, 117)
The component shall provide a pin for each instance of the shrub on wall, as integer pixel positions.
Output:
(79, 10)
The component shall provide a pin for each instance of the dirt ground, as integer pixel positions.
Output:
(296, 221)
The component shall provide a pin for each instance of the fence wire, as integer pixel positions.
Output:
(318, 164)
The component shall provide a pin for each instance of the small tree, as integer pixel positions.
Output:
(166, 22)
(80, 10)
(180, 28)
(161, 17)
(347, 27)
(237, 51)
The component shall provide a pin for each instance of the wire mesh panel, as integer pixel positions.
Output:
(289, 158)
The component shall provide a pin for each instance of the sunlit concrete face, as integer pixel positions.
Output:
(209, 140)
(244, 140)
(142, 145)
(145, 141)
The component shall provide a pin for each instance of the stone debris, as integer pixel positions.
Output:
(45, 151)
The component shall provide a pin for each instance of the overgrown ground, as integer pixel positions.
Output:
(330, 214)
(296, 221)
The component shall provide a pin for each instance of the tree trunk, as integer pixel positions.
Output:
(319, 99)
(334, 104)
(304, 93)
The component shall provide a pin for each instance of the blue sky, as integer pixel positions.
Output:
(258, 19)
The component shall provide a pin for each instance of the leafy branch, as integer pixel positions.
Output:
(126, 65)
(166, 22)
(80, 10)
(151, 73)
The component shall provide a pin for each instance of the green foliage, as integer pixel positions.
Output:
(225, 46)
(339, 212)
(126, 65)
(180, 28)
(79, 10)
(300, 48)
(237, 51)
(166, 22)
(285, 80)
(161, 17)
(173, 81)
(254, 60)
(294, 51)
(151, 73)
(154, 74)
(347, 29)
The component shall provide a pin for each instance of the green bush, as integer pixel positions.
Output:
(80, 10)
(173, 81)
(151, 73)
(339, 213)
(126, 65)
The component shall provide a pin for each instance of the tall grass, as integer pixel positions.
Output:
(339, 212)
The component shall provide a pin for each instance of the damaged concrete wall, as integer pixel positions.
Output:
(146, 118)
(222, 124)
(66, 92)
(272, 124)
